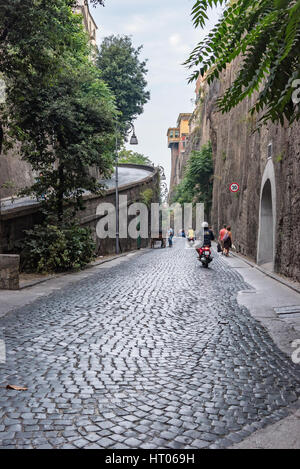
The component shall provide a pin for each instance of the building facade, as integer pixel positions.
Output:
(88, 21)
(177, 142)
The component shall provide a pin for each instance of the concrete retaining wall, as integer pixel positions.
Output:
(13, 222)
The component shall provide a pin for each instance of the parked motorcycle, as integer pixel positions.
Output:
(205, 256)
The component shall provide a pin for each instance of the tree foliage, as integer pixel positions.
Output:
(197, 183)
(129, 156)
(266, 34)
(58, 108)
(49, 248)
(124, 72)
(96, 2)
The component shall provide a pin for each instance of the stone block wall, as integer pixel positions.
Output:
(15, 174)
(246, 156)
(13, 222)
(9, 272)
(134, 192)
(243, 155)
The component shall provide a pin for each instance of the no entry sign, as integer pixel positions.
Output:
(234, 187)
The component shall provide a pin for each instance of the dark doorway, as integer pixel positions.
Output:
(266, 241)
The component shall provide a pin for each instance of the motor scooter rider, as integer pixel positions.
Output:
(191, 235)
(208, 235)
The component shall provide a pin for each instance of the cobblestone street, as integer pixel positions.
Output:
(152, 353)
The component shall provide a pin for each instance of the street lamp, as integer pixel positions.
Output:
(133, 141)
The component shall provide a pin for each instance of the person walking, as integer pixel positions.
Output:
(227, 241)
(170, 237)
(222, 233)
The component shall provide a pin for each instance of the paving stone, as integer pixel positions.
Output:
(141, 357)
(105, 442)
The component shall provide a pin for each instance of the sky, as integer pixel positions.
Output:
(165, 29)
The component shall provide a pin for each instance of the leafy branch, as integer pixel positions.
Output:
(266, 35)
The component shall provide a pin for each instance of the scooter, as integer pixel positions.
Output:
(205, 256)
(191, 241)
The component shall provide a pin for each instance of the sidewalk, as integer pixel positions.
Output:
(269, 301)
(273, 303)
(44, 286)
(30, 280)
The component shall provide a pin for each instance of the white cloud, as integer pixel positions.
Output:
(137, 24)
(175, 40)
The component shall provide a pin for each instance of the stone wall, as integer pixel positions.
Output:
(13, 222)
(15, 174)
(134, 193)
(265, 213)
(253, 159)
(9, 272)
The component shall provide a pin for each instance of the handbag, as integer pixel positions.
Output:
(219, 248)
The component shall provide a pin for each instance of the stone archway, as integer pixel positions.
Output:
(267, 219)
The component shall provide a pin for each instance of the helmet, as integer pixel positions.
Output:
(205, 224)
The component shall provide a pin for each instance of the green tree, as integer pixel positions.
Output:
(58, 108)
(197, 183)
(129, 156)
(266, 34)
(96, 2)
(61, 114)
(124, 72)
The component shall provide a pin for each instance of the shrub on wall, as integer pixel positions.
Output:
(49, 248)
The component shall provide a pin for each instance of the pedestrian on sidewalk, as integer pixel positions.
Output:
(221, 237)
(227, 240)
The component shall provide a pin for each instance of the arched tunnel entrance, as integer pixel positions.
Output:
(266, 223)
(267, 218)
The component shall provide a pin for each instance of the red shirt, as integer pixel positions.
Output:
(222, 233)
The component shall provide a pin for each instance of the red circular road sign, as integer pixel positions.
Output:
(234, 187)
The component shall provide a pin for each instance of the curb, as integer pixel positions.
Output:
(267, 273)
(89, 266)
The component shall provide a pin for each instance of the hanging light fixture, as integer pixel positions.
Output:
(134, 140)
